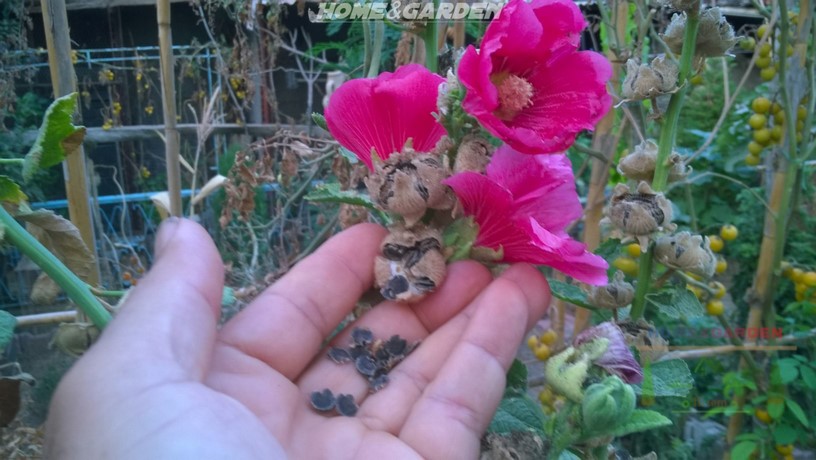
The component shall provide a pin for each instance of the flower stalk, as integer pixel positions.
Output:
(75, 288)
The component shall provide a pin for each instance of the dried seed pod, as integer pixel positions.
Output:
(641, 213)
(473, 154)
(645, 338)
(377, 383)
(411, 264)
(682, 5)
(362, 336)
(345, 405)
(339, 355)
(616, 294)
(646, 81)
(366, 365)
(322, 400)
(687, 252)
(715, 35)
(640, 164)
(409, 183)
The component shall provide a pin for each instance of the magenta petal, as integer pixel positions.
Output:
(617, 359)
(384, 112)
(569, 256)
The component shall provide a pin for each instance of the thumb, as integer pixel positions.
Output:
(168, 322)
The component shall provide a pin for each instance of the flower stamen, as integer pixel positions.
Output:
(515, 94)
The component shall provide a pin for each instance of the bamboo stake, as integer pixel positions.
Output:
(171, 134)
(46, 318)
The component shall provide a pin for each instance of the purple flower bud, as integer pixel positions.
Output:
(617, 359)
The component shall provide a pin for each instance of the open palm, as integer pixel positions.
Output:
(164, 382)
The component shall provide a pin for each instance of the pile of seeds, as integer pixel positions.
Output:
(373, 359)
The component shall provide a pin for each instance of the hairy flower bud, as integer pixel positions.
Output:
(411, 263)
(409, 183)
(687, 252)
(616, 294)
(646, 81)
(640, 164)
(606, 405)
(641, 213)
(714, 37)
(566, 372)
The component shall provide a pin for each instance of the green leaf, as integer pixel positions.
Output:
(320, 120)
(808, 376)
(517, 376)
(743, 450)
(797, 412)
(641, 420)
(331, 193)
(58, 137)
(569, 293)
(676, 303)
(10, 191)
(7, 324)
(567, 455)
(776, 408)
(668, 378)
(517, 412)
(788, 370)
(785, 434)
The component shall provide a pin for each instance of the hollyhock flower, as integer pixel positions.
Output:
(528, 84)
(382, 113)
(522, 204)
(617, 359)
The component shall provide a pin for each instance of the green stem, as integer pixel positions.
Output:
(430, 36)
(366, 46)
(643, 282)
(76, 289)
(103, 293)
(379, 32)
(12, 161)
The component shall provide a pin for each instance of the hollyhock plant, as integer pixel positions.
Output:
(528, 84)
(617, 359)
(522, 205)
(382, 113)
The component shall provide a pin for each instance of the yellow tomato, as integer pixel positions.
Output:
(765, 49)
(786, 268)
(763, 416)
(633, 249)
(542, 352)
(549, 337)
(809, 279)
(719, 289)
(722, 266)
(767, 74)
(729, 232)
(754, 148)
(761, 105)
(752, 160)
(762, 30)
(626, 265)
(716, 243)
(786, 449)
(762, 136)
(797, 274)
(757, 121)
(532, 342)
(715, 307)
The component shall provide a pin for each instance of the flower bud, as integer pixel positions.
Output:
(615, 357)
(616, 294)
(449, 94)
(715, 35)
(411, 263)
(647, 81)
(566, 372)
(641, 213)
(606, 404)
(687, 252)
(409, 183)
(640, 164)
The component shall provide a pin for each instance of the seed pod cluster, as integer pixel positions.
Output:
(411, 263)
(715, 35)
(646, 81)
(687, 252)
(640, 164)
(641, 213)
(617, 294)
(643, 336)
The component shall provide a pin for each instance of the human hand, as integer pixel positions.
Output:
(164, 382)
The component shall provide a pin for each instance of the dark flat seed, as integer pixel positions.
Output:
(362, 336)
(396, 345)
(346, 405)
(339, 355)
(382, 354)
(323, 400)
(357, 351)
(377, 383)
(366, 365)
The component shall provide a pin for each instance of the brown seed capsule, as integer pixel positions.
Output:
(645, 338)
(409, 183)
(411, 264)
(323, 400)
(687, 252)
(345, 405)
(715, 35)
(641, 213)
(616, 294)
(640, 164)
(647, 81)
(473, 154)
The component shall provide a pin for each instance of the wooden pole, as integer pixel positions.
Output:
(171, 134)
(63, 78)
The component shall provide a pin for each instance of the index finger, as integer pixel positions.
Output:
(285, 326)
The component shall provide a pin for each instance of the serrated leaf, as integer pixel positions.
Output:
(57, 138)
(743, 450)
(676, 303)
(788, 370)
(10, 191)
(641, 420)
(7, 324)
(518, 412)
(797, 411)
(808, 376)
(569, 293)
(320, 120)
(331, 193)
(62, 238)
(785, 434)
(667, 378)
(517, 376)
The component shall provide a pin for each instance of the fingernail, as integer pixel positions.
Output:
(166, 233)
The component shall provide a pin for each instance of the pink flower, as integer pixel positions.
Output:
(383, 113)
(528, 84)
(522, 204)
(617, 359)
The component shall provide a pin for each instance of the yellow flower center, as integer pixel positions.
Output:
(515, 94)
